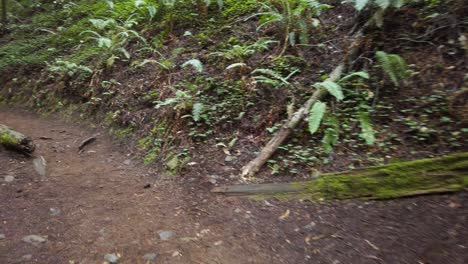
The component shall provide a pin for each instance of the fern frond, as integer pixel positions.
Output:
(332, 87)
(360, 4)
(383, 4)
(197, 110)
(196, 64)
(393, 65)
(361, 74)
(315, 116)
(367, 131)
(332, 134)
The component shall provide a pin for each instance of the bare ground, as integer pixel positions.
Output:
(102, 203)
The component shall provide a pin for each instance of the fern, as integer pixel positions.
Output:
(196, 64)
(332, 87)
(367, 131)
(197, 110)
(361, 74)
(331, 135)
(272, 77)
(292, 17)
(315, 116)
(382, 4)
(394, 66)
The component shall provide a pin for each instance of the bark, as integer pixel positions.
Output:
(402, 179)
(16, 141)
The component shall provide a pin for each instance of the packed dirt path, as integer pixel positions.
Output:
(103, 201)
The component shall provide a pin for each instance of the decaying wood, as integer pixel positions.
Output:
(402, 179)
(270, 148)
(14, 140)
(86, 142)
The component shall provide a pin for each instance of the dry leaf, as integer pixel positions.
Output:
(285, 215)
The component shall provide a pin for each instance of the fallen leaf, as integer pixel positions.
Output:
(284, 215)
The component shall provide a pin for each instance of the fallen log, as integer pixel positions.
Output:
(402, 179)
(14, 140)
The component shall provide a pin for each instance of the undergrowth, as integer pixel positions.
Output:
(181, 74)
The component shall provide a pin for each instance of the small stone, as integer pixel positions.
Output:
(34, 239)
(127, 162)
(54, 211)
(2, 236)
(212, 181)
(150, 257)
(112, 258)
(27, 257)
(165, 234)
(237, 210)
(229, 158)
(9, 178)
(310, 225)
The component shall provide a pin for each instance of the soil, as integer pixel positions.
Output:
(103, 201)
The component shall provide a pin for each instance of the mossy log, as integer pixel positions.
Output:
(16, 141)
(402, 179)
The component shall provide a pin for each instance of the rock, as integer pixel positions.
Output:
(27, 257)
(112, 258)
(165, 234)
(150, 257)
(2, 236)
(310, 225)
(9, 178)
(34, 239)
(229, 158)
(127, 162)
(40, 166)
(54, 211)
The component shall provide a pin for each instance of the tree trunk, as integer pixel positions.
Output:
(402, 179)
(15, 140)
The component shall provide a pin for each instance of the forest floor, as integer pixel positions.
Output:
(103, 201)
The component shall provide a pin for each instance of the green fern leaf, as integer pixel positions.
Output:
(331, 134)
(367, 132)
(360, 4)
(361, 74)
(333, 88)
(315, 116)
(394, 66)
(398, 3)
(196, 64)
(197, 110)
(383, 4)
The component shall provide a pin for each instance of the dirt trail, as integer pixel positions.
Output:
(98, 202)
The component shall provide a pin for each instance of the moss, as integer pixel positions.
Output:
(8, 140)
(151, 156)
(174, 162)
(233, 8)
(444, 174)
(123, 133)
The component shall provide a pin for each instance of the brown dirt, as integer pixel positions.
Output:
(104, 208)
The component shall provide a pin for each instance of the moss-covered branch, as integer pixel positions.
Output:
(402, 179)
(15, 140)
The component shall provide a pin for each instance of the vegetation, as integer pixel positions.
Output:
(401, 179)
(189, 76)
